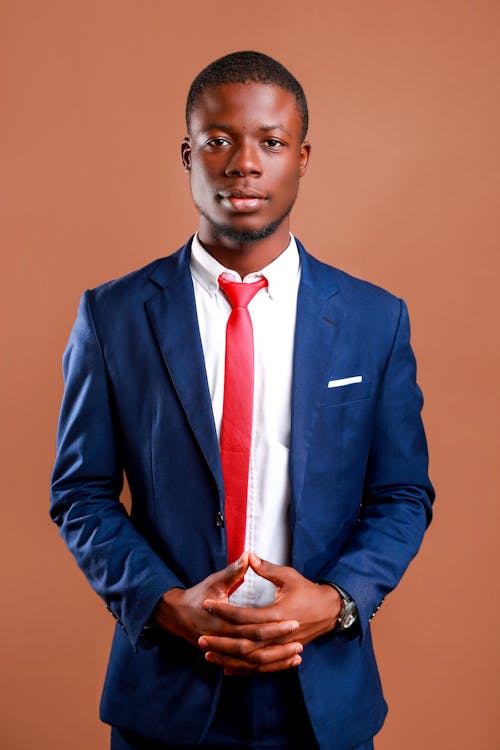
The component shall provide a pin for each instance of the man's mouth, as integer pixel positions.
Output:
(241, 200)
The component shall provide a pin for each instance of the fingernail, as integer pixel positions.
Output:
(296, 661)
(202, 642)
(294, 626)
(299, 649)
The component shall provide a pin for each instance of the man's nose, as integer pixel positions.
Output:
(244, 160)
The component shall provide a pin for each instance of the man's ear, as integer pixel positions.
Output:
(186, 154)
(305, 152)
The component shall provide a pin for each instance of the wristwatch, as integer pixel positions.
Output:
(348, 610)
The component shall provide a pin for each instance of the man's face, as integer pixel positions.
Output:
(245, 156)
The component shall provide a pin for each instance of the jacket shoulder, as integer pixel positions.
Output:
(357, 290)
(139, 285)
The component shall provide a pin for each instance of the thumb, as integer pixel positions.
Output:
(225, 579)
(267, 570)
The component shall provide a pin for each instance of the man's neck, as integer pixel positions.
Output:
(249, 257)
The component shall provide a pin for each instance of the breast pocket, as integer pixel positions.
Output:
(344, 394)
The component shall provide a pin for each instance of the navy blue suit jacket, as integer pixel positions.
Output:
(137, 399)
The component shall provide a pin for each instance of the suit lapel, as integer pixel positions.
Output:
(319, 318)
(173, 318)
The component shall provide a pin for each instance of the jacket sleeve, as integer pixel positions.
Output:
(397, 500)
(85, 491)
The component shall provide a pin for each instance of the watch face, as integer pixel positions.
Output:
(348, 616)
(349, 620)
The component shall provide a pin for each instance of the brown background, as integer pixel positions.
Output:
(402, 189)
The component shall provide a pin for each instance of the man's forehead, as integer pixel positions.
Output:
(251, 99)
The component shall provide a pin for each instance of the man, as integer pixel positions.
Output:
(279, 486)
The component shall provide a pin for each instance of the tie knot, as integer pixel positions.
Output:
(238, 293)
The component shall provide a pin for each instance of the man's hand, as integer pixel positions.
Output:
(182, 612)
(314, 607)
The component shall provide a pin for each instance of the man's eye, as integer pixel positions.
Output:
(273, 143)
(217, 142)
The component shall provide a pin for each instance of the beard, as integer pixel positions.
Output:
(246, 236)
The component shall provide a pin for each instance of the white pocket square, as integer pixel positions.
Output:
(345, 381)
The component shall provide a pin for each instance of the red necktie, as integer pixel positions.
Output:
(236, 428)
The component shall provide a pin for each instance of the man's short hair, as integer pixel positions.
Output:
(246, 67)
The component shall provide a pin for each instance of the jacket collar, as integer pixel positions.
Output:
(173, 318)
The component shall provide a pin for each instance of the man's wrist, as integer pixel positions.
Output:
(348, 613)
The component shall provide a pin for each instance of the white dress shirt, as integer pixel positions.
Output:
(273, 313)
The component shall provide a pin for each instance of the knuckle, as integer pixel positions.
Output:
(259, 657)
(241, 648)
(259, 634)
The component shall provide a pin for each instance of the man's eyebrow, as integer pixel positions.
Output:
(265, 128)
(217, 126)
(228, 128)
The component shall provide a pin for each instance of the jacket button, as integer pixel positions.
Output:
(219, 520)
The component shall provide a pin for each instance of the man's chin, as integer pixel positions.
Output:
(246, 236)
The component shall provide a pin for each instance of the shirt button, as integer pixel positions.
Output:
(219, 520)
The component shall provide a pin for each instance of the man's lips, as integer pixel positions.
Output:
(241, 200)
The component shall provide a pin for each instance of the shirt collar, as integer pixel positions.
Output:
(281, 274)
